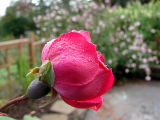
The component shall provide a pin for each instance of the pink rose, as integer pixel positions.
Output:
(81, 77)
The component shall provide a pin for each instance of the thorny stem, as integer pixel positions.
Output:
(13, 101)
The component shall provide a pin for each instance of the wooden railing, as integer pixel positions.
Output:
(19, 43)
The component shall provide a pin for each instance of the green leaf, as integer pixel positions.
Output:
(34, 73)
(27, 117)
(6, 118)
(47, 73)
(50, 76)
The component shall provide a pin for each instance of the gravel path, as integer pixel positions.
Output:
(133, 101)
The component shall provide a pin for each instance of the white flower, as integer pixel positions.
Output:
(134, 56)
(126, 70)
(133, 65)
(43, 40)
(144, 60)
(122, 17)
(54, 29)
(131, 28)
(153, 31)
(122, 44)
(107, 1)
(124, 52)
(44, 29)
(147, 78)
(38, 32)
(116, 49)
(136, 24)
(109, 61)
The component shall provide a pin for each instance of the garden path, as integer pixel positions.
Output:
(133, 101)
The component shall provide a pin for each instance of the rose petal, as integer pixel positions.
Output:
(74, 59)
(100, 57)
(94, 104)
(84, 34)
(78, 67)
(46, 50)
(101, 83)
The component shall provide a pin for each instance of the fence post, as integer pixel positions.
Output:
(31, 49)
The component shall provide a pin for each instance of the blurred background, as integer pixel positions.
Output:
(126, 32)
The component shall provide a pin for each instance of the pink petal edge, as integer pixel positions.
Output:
(84, 34)
(93, 104)
(97, 87)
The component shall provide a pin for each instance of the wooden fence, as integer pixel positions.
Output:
(19, 43)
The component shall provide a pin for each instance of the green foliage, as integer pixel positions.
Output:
(23, 68)
(147, 15)
(17, 20)
(26, 117)
(10, 26)
(123, 3)
(44, 73)
(130, 39)
(6, 118)
(47, 73)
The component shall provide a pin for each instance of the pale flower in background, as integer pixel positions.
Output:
(58, 17)
(122, 44)
(107, 1)
(122, 17)
(134, 56)
(116, 49)
(153, 31)
(43, 40)
(133, 65)
(109, 61)
(131, 28)
(44, 29)
(143, 49)
(147, 78)
(86, 25)
(136, 24)
(144, 60)
(85, 14)
(54, 29)
(112, 40)
(128, 40)
(124, 52)
(126, 70)
(74, 18)
(38, 32)
(149, 50)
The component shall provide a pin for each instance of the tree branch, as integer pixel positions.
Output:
(13, 101)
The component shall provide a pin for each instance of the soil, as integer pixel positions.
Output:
(31, 107)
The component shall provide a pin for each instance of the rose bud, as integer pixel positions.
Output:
(81, 76)
(37, 89)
